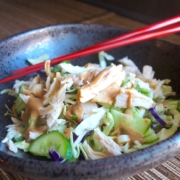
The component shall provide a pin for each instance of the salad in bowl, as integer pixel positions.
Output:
(90, 112)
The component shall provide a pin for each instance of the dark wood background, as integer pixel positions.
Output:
(17, 16)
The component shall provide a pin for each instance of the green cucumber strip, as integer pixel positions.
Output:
(140, 124)
(107, 128)
(178, 106)
(117, 116)
(149, 132)
(19, 105)
(142, 91)
(22, 88)
(151, 138)
(18, 139)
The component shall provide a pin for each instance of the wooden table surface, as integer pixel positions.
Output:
(17, 16)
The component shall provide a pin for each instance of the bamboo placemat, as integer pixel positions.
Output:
(19, 15)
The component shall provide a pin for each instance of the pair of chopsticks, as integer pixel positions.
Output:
(162, 28)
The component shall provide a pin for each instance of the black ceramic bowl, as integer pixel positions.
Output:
(62, 39)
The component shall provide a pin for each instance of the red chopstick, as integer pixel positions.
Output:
(148, 28)
(113, 43)
(10, 78)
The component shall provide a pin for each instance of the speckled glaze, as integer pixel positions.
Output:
(62, 39)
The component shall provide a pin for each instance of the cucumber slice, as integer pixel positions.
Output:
(140, 124)
(117, 116)
(135, 121)
(151, 138)
(149, 132)
(51, 140)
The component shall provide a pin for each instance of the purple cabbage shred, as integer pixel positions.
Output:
(55, 156)
(156, 116)
(74, 136)
(86, 135)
